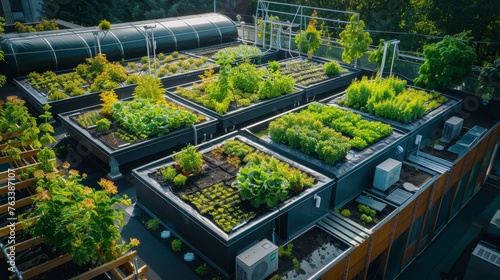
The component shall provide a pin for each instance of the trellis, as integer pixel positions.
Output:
(292, 19)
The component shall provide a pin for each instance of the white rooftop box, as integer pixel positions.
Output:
(386, 174)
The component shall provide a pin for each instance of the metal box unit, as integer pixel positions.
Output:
(257, 262)
(451, 129)
(386, 174)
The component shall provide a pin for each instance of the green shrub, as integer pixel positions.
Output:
(345, 213)
(103, 125)
(285, 252)
(202, 270)
(152, 224)
(176, 245)
(169, 173)
(333, 68)
(180, 180)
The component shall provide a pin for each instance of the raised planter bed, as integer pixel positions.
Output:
(310, 251)
(387, 100)
(172, 69)
(189, 210)
(248, 82)
(298, 134)
(309, 75)
(120, 151)
(238, 51)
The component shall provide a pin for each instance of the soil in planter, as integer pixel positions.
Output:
(312, 249)
(442, 154)
(413, 175)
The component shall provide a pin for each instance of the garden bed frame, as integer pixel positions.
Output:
(135, 151)
(208, 240)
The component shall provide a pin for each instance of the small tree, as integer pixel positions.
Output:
(489, 80)
(447, 63)
(309, 41)
(354, 40)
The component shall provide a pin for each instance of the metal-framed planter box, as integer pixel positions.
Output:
(141, 149)
(38, 99)
(342, 168)
(216, 246)
(311, 91)
(451, 104)
(267, 54)
(240, 115)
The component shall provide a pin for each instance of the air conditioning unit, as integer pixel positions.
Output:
(451, 129)
(484, 263)
(257, 262)
(386, 174)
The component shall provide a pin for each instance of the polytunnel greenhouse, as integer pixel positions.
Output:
(64, 49)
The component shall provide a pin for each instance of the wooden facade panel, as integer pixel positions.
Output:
(481, 149)
(355, 269)
(407, 211)
(494, 138)
(383, 232)
(402, 227)
(469, 160)
(456, 172)
(337, 272)
(440, 183)
(409, 253)
(380, 248)
(423, 199)
(359, 254)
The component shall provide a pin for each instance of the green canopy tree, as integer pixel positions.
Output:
(446, 64)
(354, 40)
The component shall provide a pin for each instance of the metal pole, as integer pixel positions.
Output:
(147, 50)
(383, 59)
(215, 6)
(154, 50)
(395, 43)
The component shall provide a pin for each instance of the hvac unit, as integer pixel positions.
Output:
(386, 174)
(451, 129)
(257, 262)
(484, 264)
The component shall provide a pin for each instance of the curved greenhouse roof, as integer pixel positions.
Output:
(65, 49)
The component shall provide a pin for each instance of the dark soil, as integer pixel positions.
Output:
(313, 249)
(214, 171)
(413, 175)
(442, 154)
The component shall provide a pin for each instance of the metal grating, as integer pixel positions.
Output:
(398, 196)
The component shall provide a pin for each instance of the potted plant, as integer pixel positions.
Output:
(189, 159)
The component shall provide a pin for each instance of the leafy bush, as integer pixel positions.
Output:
(180, 180)
(189, 158)
(237, 148)
(333, 68)
(176, 245)
(260, 186)
(345, 213)
(202, 270)
(153, 224)
(103, 125)
(285, 251)
(169, 173)
(309, 41)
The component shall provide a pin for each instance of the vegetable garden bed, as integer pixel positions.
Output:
(333, 139)
(220, 214)
(392, 101)
(237, 51)
(318, 76)
(239, 94)
(70, 90)
(137, 129)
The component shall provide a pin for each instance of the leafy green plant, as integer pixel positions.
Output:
(151, 88)
(202, 270)
(79, 220)
(260, 186)
(285, 251)
(143, 117)
(446, 64)
(169, 173)
(237, 148)
(354, 40)
(309, 41)
(239, 52)
(296, 264)
(189, 158)
(333, 68)
(103, 125)
(179, 180)
(152, 224)
(345, 213)
(176, 245)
